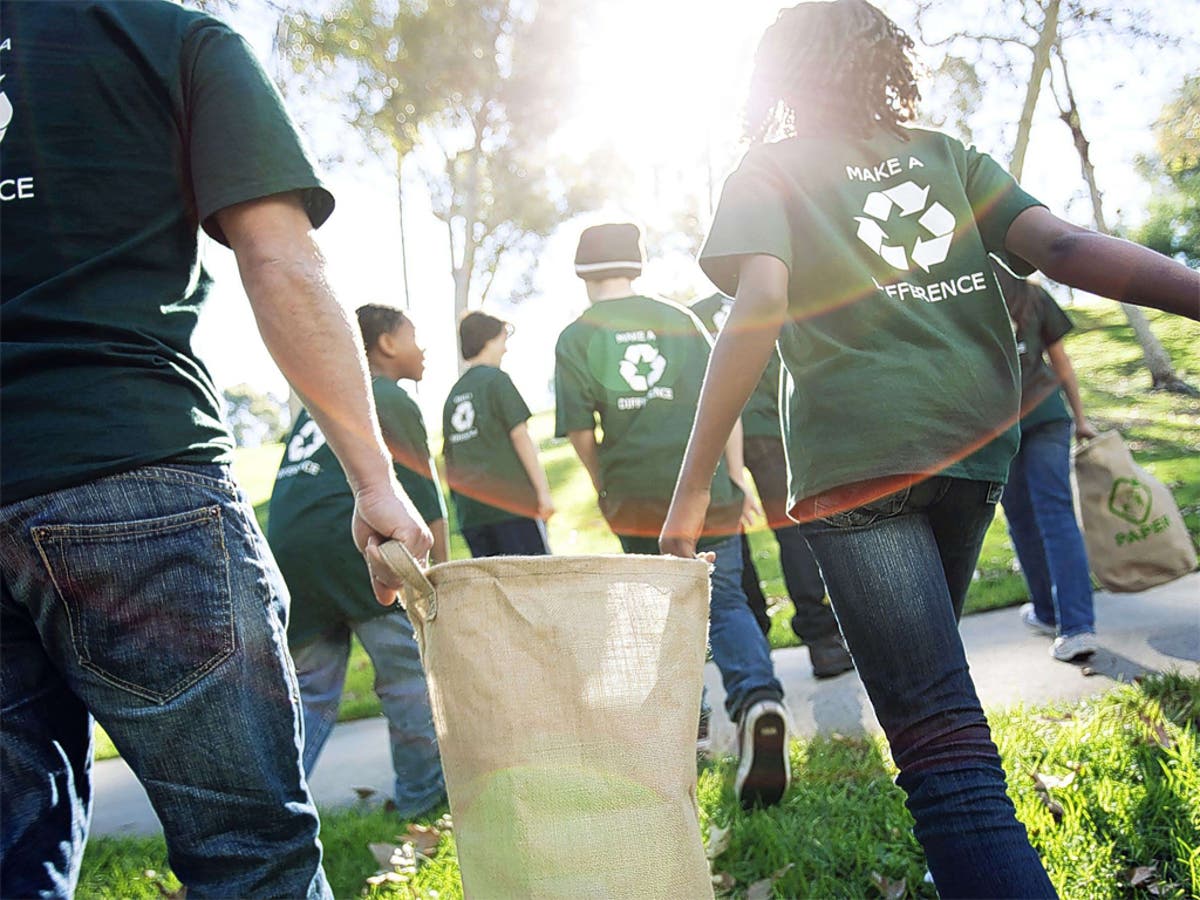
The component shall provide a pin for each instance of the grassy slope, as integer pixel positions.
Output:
(842, 830)
(1162, 429)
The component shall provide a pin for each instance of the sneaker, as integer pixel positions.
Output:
(703, 734)
(1073, 647)
(829, 658)
(1029, 617)
(763, 769)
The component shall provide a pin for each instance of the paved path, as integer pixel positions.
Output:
(1154, 631)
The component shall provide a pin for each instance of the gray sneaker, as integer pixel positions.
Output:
(1029, 617)
(763, 769)
(1066, 649)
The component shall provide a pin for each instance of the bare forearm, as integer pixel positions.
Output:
(735, 453)
(1061, 363)
(584, 443)
(1104, 265)
(528, 455)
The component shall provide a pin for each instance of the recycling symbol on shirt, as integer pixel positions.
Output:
(907, 199)
(642, 366)
(305, 442)
(463, 417)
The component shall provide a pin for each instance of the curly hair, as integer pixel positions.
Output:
(843, 62)
(376, 320)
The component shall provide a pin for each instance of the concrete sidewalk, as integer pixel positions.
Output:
(1139, 633)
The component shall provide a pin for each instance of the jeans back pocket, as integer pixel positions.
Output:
(149, 600)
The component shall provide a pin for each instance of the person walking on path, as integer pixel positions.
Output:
(813, 621)
(870, 240)
(1038, 504)
(331, 592)
(633, 365)
(138, 590)
(498, 486)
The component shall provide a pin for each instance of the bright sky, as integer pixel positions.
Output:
(664, 81)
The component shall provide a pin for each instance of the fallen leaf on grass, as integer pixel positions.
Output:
(364, 792)
(424, 838)
(718, 841)
(383, 854)
(387, 878)
(723, 881)
(1158, 732)
(1140, 875)
(1045, 782)
(891, 889)
(1050, 717)
(764, 888)
(1051, 804)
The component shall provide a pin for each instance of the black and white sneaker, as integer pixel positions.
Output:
(763, 769)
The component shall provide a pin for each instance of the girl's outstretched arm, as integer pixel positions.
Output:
(1103, 265)
(734, 369)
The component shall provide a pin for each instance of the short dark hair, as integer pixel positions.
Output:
(375, 320)
(845, 59)
(475, 329)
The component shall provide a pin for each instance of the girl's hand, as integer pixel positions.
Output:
(545, 506)
(752, 511)
(1084, 430)
(685, 522)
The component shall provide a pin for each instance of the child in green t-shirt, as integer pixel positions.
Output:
(498, 486)
(332, 596)
(862, 246)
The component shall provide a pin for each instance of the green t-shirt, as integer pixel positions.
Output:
(900, 351)
(132, 124)
(309, 523)
(636, 365)
(760, 417)
(487, 481)
(1038, 322)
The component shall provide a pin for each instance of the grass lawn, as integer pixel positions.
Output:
(1109, 790)
(1162, 429)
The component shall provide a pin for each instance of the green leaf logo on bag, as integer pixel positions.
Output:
(1130, 500)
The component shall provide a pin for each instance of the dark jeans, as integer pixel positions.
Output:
(898, 570)
(1041, 521)
(150, 601)
(813, 621)
(513, 537)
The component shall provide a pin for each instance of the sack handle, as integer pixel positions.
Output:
(403, 572)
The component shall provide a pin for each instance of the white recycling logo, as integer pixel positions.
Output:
(305, 442)
(909, 199)
(463, 417)
(642, 366)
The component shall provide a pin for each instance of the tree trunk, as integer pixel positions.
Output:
(1041, 63)
(1162, 371)
(403, 243)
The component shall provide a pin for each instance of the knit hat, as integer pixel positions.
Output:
(610, 251)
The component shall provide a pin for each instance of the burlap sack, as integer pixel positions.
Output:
(1134, 533)
(565, 695)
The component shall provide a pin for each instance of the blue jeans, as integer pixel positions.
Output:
(513, 537)
(400, 686)
(738, 646)
(150, 601)
(897, 570)
(1041, 522)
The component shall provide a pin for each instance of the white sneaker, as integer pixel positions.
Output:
(763, 767)
(1029, 617)
(1069, 648)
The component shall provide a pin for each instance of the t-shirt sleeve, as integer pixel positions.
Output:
(509, 404)
(751, 219)
(1054, 323)
(574, 407)
(404, 431)
(241, 144)
(996, 199)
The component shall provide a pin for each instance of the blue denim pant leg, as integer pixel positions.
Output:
(897, 571)
(739, 648)
(1045, 533)
(321, 671)
(400, 686)
(154, 597)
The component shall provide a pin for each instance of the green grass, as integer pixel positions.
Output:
(1133, 800)
(1162, 429)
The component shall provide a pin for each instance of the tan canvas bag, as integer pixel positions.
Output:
(565, 694)
(1134, 533)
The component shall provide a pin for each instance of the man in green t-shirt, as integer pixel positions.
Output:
(813, 621)
(499, 488)
(634, 365)
(138, 591)
(331, 592)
